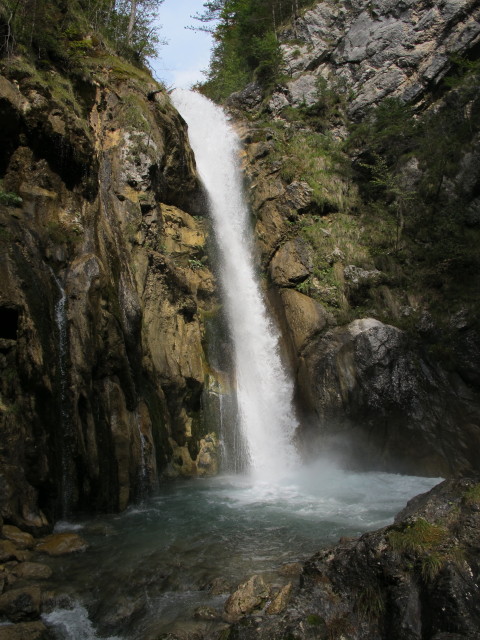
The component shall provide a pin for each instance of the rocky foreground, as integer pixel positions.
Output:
(415, 579)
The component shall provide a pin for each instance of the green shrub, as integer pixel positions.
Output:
(10, 199)
(417, 537)
(472, 495)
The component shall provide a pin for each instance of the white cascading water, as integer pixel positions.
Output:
(264, 391)
(65, 426)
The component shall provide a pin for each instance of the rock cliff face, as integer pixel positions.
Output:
(104, 283)
(376, 49)
(367, 326)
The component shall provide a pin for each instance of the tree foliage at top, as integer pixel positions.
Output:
(246, 46)
(47, 28)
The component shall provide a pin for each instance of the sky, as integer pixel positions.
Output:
(188, 52)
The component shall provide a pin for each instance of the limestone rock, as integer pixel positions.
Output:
(392, 406)
(299, 196)
(248, 98)
(280, 601)
(9, 551)
(25, 631)
(59, 544)
(248, 596)
(105, 292)
(402, 591)
(357, 277)
(292, 263)
(32, 571)
(21, 604)
(21, 539)
(207, 458)
(305, 317)
(376, 50)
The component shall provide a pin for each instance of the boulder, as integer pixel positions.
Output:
(25, 631)
(280, 600)
(32, 571)
(60, 544)
(380, 401)
(21, 604)
(9, 551)
(292, 263)
(248, 596)
(21, 539)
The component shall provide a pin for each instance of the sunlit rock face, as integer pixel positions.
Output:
(375, 50)
(104, 278)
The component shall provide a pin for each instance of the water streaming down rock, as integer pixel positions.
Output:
(65, 427)
(264, 391)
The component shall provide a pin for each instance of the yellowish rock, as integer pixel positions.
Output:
(280, 601)
(59, 544)
(248, 596)
(305, 317)
(24, 631)
(32, 571)
(21, 539)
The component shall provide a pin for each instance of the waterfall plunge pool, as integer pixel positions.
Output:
(148, 569)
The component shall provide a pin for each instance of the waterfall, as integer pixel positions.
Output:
(264, 391)
(65, 417)
(143, 479)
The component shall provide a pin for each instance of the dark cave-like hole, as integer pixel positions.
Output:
(8, 323)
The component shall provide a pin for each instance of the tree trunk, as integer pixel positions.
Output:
(131, 22)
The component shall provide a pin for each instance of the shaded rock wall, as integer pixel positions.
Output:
(104, 280)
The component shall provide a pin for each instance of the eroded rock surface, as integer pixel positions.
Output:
(375, 49)
(369, 384)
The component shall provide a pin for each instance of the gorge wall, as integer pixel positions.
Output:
(105, 285)
(364, 180)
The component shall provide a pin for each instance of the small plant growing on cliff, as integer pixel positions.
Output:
(370, 603)
(9, 199)
(472, 495)
(195, 264)
(304, 286)
(431, 566)
(417, 537)
(430, 544)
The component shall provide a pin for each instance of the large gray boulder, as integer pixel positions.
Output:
(379, 401)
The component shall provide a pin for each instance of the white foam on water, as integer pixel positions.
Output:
(73, 624)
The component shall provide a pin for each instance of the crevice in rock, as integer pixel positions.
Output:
(8, 323)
